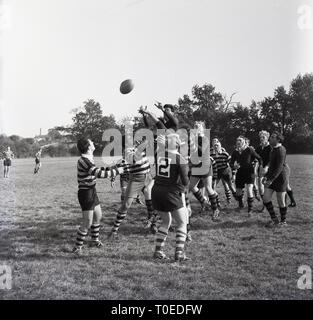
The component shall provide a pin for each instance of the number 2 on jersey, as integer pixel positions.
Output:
(164, 167)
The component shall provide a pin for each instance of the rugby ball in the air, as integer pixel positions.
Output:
(127, 86)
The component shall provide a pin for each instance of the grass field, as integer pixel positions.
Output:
(235, 259)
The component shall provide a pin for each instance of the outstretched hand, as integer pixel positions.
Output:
(159, 105)
(142, 109)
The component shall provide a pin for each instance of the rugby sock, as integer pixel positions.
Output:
(180, 240)
(119, 218)
(160, 239)
(218, 201)
(250, 203)
(80, 238)
(283, 213)
(256, 193)
(290, 195)
(270, 209)
(94, 230)
(240, 200)
(187, 200)
(150, 209)
(228, 195)
(213, 201)
(199, 196)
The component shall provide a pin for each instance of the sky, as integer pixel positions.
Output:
(56, 54)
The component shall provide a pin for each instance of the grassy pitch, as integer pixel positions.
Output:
(235, 259)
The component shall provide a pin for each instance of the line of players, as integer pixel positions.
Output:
(166, 194)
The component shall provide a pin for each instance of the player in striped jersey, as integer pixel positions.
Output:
(168, 196)
(87, 173)
(124, 180)
(140, 179)
(224, 172)
(201, 161)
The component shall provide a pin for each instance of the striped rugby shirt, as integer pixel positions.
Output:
(222, 160)
(137, 161)
(87, 172)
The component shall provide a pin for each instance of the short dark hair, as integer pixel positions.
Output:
(170, 106)
(279, 136)
(83, 145)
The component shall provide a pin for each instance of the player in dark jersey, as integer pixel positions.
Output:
(169, 121)
(242, 160)
(264, 150)
(276, 180)
(168, 197)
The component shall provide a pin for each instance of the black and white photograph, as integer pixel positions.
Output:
(156, 151)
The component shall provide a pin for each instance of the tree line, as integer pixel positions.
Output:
(288, 110)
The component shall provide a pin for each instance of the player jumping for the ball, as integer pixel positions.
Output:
(168, 197)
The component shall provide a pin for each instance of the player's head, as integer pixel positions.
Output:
(247, 141)
(217, 146)
(276, 138)
(169, 108)
(264, 136)
(85, 146)
(214, 141)
(240, 142)
(200, 127)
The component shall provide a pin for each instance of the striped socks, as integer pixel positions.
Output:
(95, 228)
(160, 239)
(198, 195)
(81, 236)
(119, 218)
(180, 241)
(213, 200)
(228, 195)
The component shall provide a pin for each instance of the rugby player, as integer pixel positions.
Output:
(276, 180)
(87, 173)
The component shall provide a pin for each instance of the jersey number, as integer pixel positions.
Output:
(164, 167)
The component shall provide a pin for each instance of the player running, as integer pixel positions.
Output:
(168, 197)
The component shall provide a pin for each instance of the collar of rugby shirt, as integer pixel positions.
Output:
(264, 145)
(89, 157)
(279, 145)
